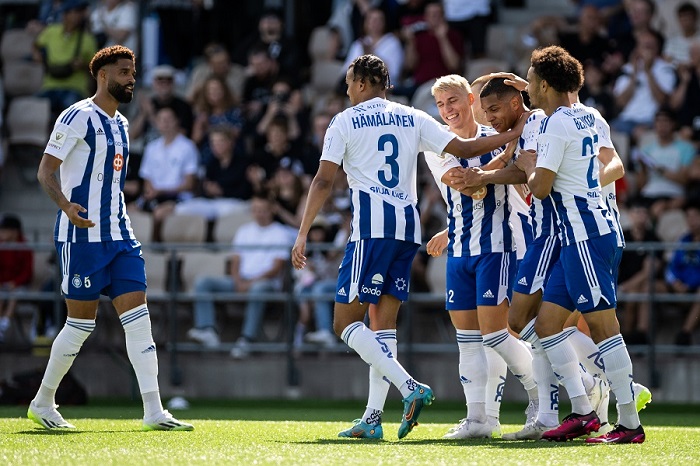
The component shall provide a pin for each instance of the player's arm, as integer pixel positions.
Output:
(611, 166)
(319, 191)
(539, 179)
(47, 178)
(467, 148)
(437, 243)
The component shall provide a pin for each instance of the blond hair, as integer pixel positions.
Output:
(451, 81)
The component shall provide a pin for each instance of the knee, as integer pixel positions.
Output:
(516, 323)
(201, 284)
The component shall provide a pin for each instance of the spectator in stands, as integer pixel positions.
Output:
(288, 194)
(686, 96)
(285, 102)
(50, 12)
(15, 267)
(319, 277)
(625, 29)
(471, 19)
(276, 147)
(262, 72)
(677, 47)
(595, 93)
(218, 63)
(257, 264)
(377, 41)
(587, 39)
(646, 84)
(178, 28)
(271, 37)
(311, 152)
(635, 273)
(214, 105)
(225, 187)
(169, 170)
(432, 49)
(115, 22)
(663, 163)
(65, 49)
(683, 273)
(692, 187)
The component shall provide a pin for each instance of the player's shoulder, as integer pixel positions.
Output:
(77, 114)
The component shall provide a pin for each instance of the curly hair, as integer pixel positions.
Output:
(556, 66)
(498, 87)
(371, 69)
(108, 56)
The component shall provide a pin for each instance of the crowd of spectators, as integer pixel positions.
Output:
(229, 114)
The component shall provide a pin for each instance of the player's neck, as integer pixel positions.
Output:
(106, 102)
(468, 131)
(558, 100)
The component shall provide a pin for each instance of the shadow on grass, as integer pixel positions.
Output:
(492, 443)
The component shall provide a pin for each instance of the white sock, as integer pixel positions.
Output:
(495, 381)
(473, 372)
(587, 351)
(377, 354)
(548, 391)
(528, 334)
(65, 348)
(516, 355)
(141, 350)
(378, 384)
(618, 370)
(565, 365)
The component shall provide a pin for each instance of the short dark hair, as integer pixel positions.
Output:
(109, 56)
(371, 69)
(499, 87)
(685, 8)
(556, 66)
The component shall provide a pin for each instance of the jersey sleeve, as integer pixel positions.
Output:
(531, 131)
(440, 163)
(434, 136)
(550, 151)
(603, 129)
(63, 138)
(334, 142)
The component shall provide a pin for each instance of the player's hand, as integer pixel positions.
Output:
(511, 79)
(527, 160)
(298, 251)
(520, 124)
(437, 244)
(73, 212)
(468, 178)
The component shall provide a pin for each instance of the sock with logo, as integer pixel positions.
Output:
(473, 373)
(378, 384)
(516, 355)
(587, 351)
(565, 365)
(65, 348)
(141, 350)
(378, 355)
(618, 370)
(495, 381)
(547, 386)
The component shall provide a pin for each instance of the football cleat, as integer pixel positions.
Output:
(49, 418)
(531, 411)
(495, 426)
(166, 421)
(620, 434)
(642, 395)
(361, 429)
(574, 425)
(468, 428)
(412, 406)
(597, 395)
(531, 431)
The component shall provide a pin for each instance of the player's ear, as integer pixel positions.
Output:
(471, 98)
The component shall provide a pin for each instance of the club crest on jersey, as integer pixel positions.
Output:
(118, 162)
(77, 282)
(57, 140)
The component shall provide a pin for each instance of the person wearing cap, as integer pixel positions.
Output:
(65, 49)
(16, 267)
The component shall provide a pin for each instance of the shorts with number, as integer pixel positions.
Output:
(112, 268)
(582, 279)
(373, 267)
(536, 266)
(483, 280)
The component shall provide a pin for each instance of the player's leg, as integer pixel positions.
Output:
(128, 292)
(83, 275)
(497, 371)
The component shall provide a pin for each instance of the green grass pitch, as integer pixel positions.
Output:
(305, 432)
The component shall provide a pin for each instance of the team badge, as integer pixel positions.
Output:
(77, 282)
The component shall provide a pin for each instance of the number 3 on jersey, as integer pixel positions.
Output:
(389, 159)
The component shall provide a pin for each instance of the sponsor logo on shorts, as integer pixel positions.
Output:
(400, 284)
(522, 281)
(372, 291)
(488, 294)
(377, 279)
(341, 292)
(581, 300)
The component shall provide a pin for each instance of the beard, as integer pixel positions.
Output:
(120, 93)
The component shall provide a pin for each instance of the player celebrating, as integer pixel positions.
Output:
(96, 246)
(378, 142)
(481, 260)
(566, 165)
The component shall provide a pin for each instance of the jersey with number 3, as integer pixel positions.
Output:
(378, 142)
(94, 150)
(568, 146)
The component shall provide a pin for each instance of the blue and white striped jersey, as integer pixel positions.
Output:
(568, 146)
(94, 150)
(378, 142)
(609, 192)
(477, 224)
(543, 218)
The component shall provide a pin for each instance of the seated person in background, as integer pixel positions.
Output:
(169, 170)
(218, 63)
(311, 152)
(116, 22)
(663, 163)
(285, 101)
(15, 267)
(276, 147)
(683, 273)
(214, 105)
(318, 277)
(288, 195)
(635, 273)
(225, 187)
(254, 270)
